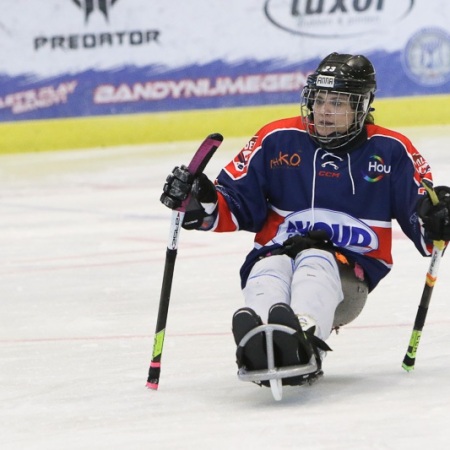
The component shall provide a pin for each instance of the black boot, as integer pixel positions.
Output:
(253, 355)
(294, 349)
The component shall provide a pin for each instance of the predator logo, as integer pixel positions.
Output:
(89, 6)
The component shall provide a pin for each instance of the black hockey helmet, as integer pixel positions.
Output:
(344, 73)
(353, 75)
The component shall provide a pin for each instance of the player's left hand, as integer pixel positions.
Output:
(436, 218)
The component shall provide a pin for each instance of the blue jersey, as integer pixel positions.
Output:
(282, 183)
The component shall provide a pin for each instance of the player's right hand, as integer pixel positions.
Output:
(177, 187)
(313, 239)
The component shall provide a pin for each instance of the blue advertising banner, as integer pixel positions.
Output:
(106, 57)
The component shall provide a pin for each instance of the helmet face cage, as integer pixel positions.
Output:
(336, 99)
(341, 125)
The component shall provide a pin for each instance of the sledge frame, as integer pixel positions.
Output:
(274, 374)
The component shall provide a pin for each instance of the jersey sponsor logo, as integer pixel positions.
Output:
(376, 169)
(343, 229)
(285, 160)
(420, 164)
(238, 167)
(328, 174)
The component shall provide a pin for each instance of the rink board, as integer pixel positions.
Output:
(105, 131)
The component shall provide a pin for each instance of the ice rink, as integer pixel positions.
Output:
(82, 248)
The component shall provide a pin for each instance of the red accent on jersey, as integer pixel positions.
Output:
(225, 221)
(238, 167)
(384, 252)
(270, 228)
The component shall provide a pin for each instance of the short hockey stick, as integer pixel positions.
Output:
(195, 167)
(438, 249)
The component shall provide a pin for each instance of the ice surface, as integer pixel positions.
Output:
(82, 248)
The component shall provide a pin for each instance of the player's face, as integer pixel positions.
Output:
(333, 113)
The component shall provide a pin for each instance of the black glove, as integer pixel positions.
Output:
(179, 184)
(436, 218)
(177, 187)
(313, 239)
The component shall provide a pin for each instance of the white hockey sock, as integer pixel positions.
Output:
(269, 283)
(316, 289)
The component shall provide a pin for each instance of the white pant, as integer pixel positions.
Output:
(310, 284)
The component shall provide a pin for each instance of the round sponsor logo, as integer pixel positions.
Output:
(377, 169)
(426, 57)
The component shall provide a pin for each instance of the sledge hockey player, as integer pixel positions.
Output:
(319, 191)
